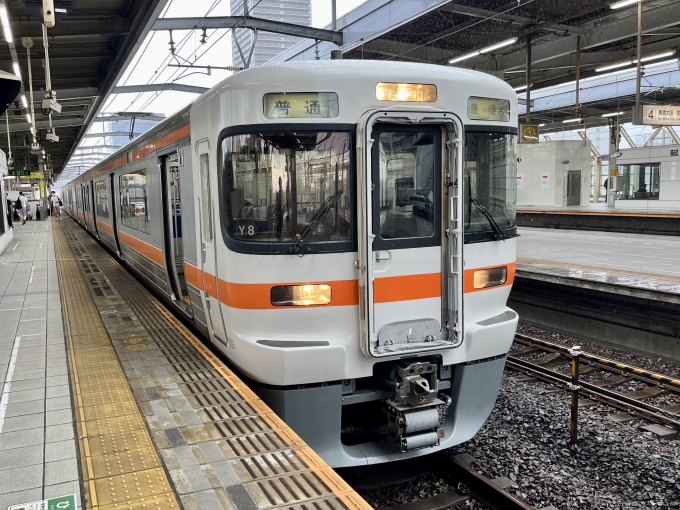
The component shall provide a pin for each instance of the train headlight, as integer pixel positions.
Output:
(490, 277)
(301, 295)
(406, 92)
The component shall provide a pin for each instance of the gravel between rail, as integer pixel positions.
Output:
(615, 466)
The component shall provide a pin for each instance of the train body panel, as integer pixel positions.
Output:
(347, 225)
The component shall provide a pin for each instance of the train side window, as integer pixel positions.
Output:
(102, 199)
(134, 210)
(206, 213)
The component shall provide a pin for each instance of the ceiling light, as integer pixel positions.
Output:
(507, 42)
(612, 114)
(577, 130)
(4, 18)
(464, 57)
(521, 87)
(541, 125)
(623, 3)
(28, 118)
(654, 57)
(17, 69)
(613, 66)
(568, 121)
(499, 45)
(23, 100)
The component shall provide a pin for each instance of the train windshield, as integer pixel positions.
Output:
(490, 186)
(287, 187)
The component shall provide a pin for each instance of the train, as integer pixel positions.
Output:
(343, 232)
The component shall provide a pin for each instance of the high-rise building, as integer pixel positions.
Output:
(267, 45)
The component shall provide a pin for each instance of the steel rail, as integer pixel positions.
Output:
(482, 488)
(659, 378)
(612, 398)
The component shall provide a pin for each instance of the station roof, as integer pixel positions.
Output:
(437, 31)
(90, 47)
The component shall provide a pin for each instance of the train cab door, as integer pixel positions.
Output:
(93, 207)
(173, 235)
(114, 212)
(208, 255)
(411, 247)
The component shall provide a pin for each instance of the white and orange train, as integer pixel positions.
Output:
(343, 232)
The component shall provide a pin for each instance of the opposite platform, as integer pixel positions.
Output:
(621, 289)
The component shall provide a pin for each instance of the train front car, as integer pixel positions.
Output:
(362, 249)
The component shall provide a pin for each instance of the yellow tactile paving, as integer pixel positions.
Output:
(120, 466)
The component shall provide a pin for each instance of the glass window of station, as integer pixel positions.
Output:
(287, 187)
(639, 182)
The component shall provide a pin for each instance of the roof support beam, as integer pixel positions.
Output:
(157, 87)
(627, 136)
(265, 25)
(652, 19)
(110, 133)
(530, 23)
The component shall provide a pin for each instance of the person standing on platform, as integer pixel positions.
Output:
(56, 210)
(24, 212)
(9, 212)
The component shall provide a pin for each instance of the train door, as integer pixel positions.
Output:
(81, 195)
(173, 235)
(412, 244)
(114, 212)
(93, 209)
(209, 274)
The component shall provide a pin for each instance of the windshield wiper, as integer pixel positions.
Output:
(494, 226)
(316, 219)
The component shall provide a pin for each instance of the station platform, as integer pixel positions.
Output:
(600, 217)
(622, 289)
(110, 398)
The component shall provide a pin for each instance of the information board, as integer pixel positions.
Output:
(660, 115)
(60, 503)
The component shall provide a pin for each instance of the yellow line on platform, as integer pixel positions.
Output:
(120, 468)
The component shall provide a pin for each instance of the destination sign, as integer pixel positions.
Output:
(301, 105)
(660, 115)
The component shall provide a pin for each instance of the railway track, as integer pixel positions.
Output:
(554, 366)
(465, 482)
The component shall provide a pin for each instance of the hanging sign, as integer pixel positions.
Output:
(659, 115)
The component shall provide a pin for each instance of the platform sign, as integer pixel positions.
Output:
(60, 503)
(659, 115)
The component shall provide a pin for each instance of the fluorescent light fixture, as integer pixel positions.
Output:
(612, 114)
(614, 66)
(568, 121)
(4, 18)
(521, 87)
(493, 47)
(577, 130)
(499, 45)
(623, 3)
(28, 118)
(61, 11)
(17, 69)
(23, 100)
(541, 125)
(463, 57)
(654, 57)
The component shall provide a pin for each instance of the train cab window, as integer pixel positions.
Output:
(206, 213)
(490, 185)
(406, 179)
(288, 187)
(134, 210)
(102, 199)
